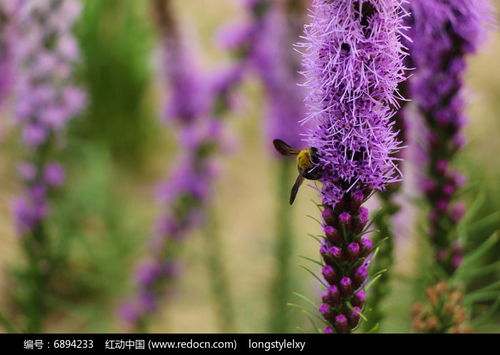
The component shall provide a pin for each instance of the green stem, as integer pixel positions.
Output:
(37, 251)
(384, 260)
(283, 249)
(219, 281)
(34, 305)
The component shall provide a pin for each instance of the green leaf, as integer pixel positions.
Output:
(312, 273)
(486, 315)
(317, 238)
(374, 329)
(318, 205)
(315, 219)
(313, 323)
(295, 305)
(485, 247)
(370, 284)
(481, 297)
(469, 273)
(311, 260)
(9, 326)
(307, 299)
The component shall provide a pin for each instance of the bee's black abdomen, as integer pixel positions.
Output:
(313, 174)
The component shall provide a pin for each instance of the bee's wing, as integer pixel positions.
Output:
(295, 188)
(284, 148)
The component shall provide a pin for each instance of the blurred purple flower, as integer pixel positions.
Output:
(444, 33)
(8, 38)
(278, 64)
(54, 175)
(189, 96)
(45, 100)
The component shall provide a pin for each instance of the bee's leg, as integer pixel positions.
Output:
(295, 188)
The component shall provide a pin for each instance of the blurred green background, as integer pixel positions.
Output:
(120, 149)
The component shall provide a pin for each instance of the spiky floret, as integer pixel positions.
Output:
(353, 64)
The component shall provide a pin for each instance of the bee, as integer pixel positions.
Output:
(307, 164)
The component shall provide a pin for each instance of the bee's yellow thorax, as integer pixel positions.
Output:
(304, 159)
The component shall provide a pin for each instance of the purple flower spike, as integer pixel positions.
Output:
(353, 65)
(277, 64)
(45, 99)
(196, 105)
(444, 32)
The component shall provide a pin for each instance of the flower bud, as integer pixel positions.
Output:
(441, 166)
(457, 261)
(363, 215)
(329, 274)
(357, 199)
(327, 215)
(345, 221)
(345, 286)
(359, 298)
(327, 312)
(354, 316)
(353, 251)
(341, 323)
(328, 330)
(449, 189)
(457, 212)
(325, 254)
(336, 253)
(360, 276)
(428, 186)
(331, 295)
(361, 220)
(442, 205)
(366, 246)
(332, 235)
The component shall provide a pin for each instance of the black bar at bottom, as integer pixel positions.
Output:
(233, 343)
